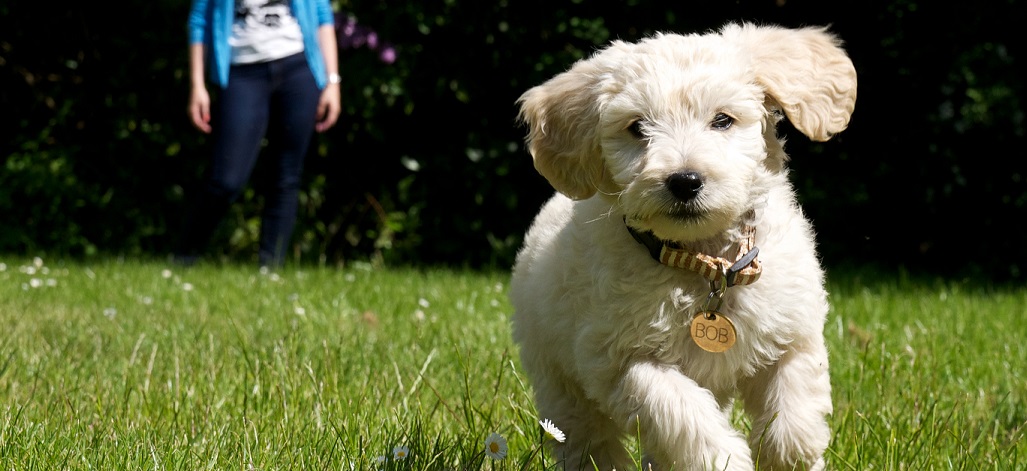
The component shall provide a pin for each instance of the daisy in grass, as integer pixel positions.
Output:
(551, 431)
(495, 446)
(400, 452)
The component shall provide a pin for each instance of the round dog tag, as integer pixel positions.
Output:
(712, 331)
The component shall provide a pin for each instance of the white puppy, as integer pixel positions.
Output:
(667, 148)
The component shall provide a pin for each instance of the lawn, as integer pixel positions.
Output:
(134, 364)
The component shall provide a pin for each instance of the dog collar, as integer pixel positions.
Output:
(744, 270)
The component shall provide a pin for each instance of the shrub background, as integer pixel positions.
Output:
(428, 166)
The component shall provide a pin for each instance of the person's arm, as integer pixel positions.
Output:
(331, 97)
(199, 98)
(198, 107)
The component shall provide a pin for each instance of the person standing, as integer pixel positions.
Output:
(275, 65)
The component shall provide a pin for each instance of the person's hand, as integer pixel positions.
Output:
(328, 107)
(199, 109)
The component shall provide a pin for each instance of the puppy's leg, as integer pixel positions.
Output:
(594, 443)
(594, 440)
(682, 425)
(788, 403)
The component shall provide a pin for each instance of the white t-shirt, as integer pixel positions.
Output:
(264, 30)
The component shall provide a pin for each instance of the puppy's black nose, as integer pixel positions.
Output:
(684, 186)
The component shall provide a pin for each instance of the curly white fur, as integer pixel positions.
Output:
(603, 328)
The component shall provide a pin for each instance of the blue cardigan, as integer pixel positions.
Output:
(210, 23)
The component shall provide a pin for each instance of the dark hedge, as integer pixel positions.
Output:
(428, 166)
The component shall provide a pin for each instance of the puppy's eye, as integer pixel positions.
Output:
(722, 122)
(635, 128)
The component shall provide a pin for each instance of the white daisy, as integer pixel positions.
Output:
(495, 446)
(550, 430)
(400, 452)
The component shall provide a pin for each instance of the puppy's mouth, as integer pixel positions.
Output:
(679, 213)
(679, 221)
(689, 213)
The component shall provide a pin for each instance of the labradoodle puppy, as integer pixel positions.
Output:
(673, 271)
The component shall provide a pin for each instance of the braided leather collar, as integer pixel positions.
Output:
(744, 270)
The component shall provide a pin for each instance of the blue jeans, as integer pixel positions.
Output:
(277, 100)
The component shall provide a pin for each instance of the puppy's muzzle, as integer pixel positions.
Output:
(685, 186)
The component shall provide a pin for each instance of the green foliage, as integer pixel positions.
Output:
(427, 164)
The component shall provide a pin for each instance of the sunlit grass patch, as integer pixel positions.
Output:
(140, 365)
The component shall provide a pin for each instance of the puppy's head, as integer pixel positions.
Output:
(679, 131)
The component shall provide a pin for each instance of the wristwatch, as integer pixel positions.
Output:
(334, 78)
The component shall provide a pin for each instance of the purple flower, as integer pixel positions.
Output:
(351, 35)
(387, 55)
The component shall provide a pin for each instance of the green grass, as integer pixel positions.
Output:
(136, 365)
(928, 375)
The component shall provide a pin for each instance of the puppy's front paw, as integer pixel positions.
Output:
(732, 456)
(785, 445)
(733, 459)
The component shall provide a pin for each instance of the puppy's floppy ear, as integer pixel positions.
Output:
(805, 71)
(562, 116)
